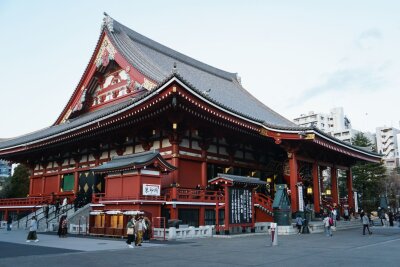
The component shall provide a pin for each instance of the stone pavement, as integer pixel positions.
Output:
(345, 248)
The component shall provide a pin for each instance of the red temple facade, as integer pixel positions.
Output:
(145, 118)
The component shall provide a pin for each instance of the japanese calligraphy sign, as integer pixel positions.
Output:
(151, 189)
(241, 205)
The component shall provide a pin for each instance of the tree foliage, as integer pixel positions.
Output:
(368, 178)
(18, 183)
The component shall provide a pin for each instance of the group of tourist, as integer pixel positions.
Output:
(138, 230)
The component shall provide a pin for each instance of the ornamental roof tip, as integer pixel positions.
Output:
(108, 22)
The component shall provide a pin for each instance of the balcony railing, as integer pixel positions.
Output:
(100, 197)
(26, 201)
(264, 201)
(193, 195)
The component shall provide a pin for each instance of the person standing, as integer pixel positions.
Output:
(46, 210)
(57, 205)
(139, 232)
(391, 218)
(130, 231)
(328, 222)
(9, 223)
(32, 236)
(64, 205)
(299, 223)
(63, 226)
(346, 214)
(365, 222)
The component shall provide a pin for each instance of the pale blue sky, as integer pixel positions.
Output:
(295, 56)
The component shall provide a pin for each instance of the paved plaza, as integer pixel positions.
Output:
(344, 248)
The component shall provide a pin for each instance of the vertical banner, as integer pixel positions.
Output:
(301, 199)
(240, 204)
(355, 201)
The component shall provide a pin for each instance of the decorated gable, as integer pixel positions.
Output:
(108, 79)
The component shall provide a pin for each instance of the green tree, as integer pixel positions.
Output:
(18, 185)
(368, 178)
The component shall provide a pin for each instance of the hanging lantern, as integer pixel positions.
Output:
(328, 192)
(309, 190)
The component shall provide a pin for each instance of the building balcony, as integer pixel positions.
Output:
(101, 198)
(193, 195)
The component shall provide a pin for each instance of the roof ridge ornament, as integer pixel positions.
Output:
(174, 68)
(108, 22)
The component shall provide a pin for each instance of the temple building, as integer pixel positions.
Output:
(154, 131)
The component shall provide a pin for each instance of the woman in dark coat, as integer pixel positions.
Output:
(62, 226)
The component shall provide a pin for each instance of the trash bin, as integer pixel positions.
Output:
(281, 206)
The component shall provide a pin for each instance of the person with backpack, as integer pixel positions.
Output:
(328, 222)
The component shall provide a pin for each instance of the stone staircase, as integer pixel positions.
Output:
(75, 218)
(318, 226)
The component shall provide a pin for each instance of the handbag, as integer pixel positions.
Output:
(129, 231)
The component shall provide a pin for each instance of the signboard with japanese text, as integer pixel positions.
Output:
(151, 189)
(301, 200)
(356, 201)
(240, 203)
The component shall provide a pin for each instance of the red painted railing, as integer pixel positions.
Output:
(26, 201)
(264, 201)
(193, 195)
(100, 197)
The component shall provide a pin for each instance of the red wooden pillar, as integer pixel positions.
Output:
(43, 184)
(316, 191)
(76, 183)
(217, 217)
(226, 219)
(321, 182)
(350, 189)
(334, 182)
(293, 181)
(175, 161)
(30, 184)
(202, 213)
(174, 209)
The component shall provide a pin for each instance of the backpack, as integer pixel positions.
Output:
(330, 221)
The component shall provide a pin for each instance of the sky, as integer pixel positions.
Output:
(295, 56)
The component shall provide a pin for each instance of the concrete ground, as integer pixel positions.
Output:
(344, 248)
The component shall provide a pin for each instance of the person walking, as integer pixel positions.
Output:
(130, 231)
(365, 222)
(328, 222)
(32, 236)
(9, 223)
(299, 223)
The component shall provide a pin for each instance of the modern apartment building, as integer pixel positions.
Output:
(387, 143)
(334, 123)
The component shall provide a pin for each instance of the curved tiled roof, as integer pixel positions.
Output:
(156, 61)
(130, 161)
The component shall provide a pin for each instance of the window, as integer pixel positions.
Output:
(67, 182)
